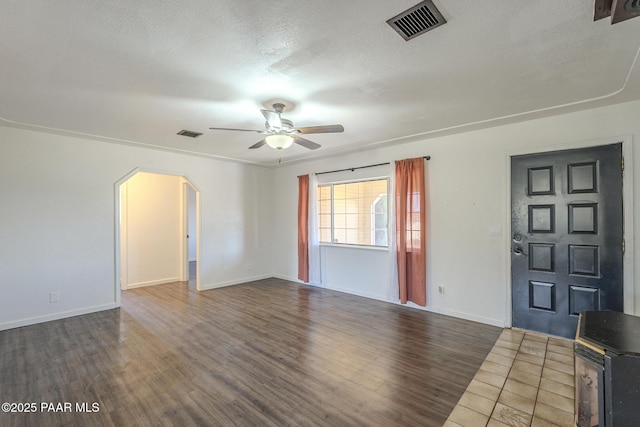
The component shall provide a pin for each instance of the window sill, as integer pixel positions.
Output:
(359, 247)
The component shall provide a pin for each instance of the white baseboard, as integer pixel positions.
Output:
(55, 316)
(432, 309)
(458, 314)
(153, 282)
(210, 286)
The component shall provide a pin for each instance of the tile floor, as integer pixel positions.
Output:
(526, 380)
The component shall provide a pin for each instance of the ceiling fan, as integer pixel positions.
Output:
(280, 132)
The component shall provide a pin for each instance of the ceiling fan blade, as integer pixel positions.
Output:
(241, 130)
(273, 118)
(306, 143)
(321, 129)
(258, 144)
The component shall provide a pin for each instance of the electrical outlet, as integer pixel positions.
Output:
(248, 266)
(441, 290)
(54, 297)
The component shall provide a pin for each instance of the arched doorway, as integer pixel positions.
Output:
(157, 229)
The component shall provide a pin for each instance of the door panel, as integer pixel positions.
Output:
(566, 220)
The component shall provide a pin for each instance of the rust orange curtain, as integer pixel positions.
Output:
(303, 228)
(410, 230)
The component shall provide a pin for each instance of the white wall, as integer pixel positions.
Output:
(58, 214)
(151, 225)
(468, 179)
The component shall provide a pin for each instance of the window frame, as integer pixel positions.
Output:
(332, 184)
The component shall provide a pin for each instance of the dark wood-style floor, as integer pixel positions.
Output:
(267, 353)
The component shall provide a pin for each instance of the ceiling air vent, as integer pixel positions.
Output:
(189, 133)
(418, 20)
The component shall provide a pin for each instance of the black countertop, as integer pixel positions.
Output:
(611, 331)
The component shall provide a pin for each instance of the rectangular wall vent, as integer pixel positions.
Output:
(189, 133)
(418, 20)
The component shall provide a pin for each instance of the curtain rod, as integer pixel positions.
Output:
(363, 167)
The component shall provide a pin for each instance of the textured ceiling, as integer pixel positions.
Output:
(141, 71)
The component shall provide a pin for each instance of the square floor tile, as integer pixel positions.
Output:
(536, 337)
(490, 378)
(513, 336)
(538, 389)
(477, 403)
(509, 352)
(530, 358)
(562, 343)
(558, 388)
(555, 400)
(559, 366)
(532, 350)
(496, 368)
(553, 415)
(502, 360)
(527, 367)
(539, 422)
(561, 377)
(467, 417)
(516, 401)
(521, 389)
(483, 389)
(507, 344)
(559, 349)
(542, 345)
(495, 423)
(562, 358)
(524, 377)
(510, 416)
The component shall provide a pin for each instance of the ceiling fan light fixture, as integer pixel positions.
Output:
(279, 141)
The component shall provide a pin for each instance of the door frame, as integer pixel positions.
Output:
(186, 211)
(628, 213)
(118, 225)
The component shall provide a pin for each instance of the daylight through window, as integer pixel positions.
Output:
(354, 213)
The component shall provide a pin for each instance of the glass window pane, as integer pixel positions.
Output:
(351, 191)
(325, 235)
(339, 207)
(339, 235)
(324, 192)
(381, 238)
(352, 236)
(358, 212)
(352, 221)
(324, 206)
(351, 206)
(324, 221)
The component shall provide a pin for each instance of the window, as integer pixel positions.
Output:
(354, 213)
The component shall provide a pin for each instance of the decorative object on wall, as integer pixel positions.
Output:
(281, 134)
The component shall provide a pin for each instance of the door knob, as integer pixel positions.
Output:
(517, 250)
(517, 238)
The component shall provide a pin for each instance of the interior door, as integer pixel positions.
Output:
(567, 237)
